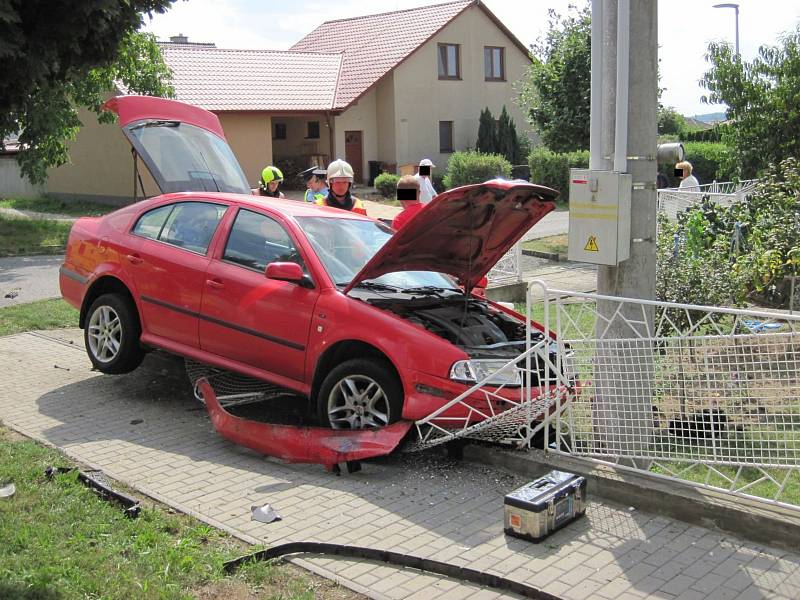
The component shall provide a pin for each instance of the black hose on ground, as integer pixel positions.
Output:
(397, 559)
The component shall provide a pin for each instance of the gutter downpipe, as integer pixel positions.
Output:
(596, 98)
(623, 85)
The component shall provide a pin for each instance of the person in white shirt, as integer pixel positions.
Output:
(684, 170)
(426, 190)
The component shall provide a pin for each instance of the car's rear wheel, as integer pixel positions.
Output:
(112, 335)
(360, 394)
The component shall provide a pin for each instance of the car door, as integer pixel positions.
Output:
(247, 317)
(169, 265)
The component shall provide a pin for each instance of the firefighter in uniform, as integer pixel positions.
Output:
(271, 178)
(340, 180)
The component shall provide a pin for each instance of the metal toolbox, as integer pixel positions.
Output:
(537, 509)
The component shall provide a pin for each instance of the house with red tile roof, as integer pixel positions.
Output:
(388, 89)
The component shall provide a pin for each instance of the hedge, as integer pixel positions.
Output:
(710, 162)
(468, 167)
(552, 168)
(386, 184)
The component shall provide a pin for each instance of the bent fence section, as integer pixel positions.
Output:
(698, 393)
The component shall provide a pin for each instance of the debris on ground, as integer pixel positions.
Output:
(264, 514)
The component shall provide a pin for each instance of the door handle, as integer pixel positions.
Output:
(215, 283)
(135, 259)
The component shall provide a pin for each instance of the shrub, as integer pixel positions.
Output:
(464, 168)
(386, 184)
(552, 168)
(770, 216)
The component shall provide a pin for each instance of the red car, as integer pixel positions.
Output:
(373, 326)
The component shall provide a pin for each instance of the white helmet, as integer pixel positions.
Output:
(426, 162)
(340, 169)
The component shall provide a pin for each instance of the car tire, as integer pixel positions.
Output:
(361, 393)
(111, 335)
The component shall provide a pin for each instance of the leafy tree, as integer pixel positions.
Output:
(487, 133)
(557, 90)
(61, 55)
(670, 121)
(763, 97)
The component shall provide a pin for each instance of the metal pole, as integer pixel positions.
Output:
(736, 8)
(596, 98)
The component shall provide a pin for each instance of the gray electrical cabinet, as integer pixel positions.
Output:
(599, 216)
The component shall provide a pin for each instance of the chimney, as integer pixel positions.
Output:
(179, 39)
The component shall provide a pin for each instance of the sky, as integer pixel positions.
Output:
(685, 27)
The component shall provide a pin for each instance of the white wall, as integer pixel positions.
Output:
(12, 183)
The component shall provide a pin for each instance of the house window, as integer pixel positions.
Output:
(279, 131)
(449, 63)
(494, 63)
(445, 136)
(313, 130)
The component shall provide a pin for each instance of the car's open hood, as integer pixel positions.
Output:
(463, 232)
(183, 146)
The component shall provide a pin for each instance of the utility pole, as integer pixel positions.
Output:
(622, 412)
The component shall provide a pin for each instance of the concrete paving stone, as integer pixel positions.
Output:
(734, 563)
(488, 594)
(548, 575)
(740, 580)
(752, 592)
(576, 575)
(669, 570)
(708, 582)
(583, 590)
(648, 585)
(677, 585)
(612, 590)
(722, 593)
(598, 561)
(557, 588)
(660, 558)
(691, 595)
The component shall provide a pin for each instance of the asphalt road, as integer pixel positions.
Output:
(28, 278)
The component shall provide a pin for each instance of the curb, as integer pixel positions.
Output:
(548, 255)
(775, 525)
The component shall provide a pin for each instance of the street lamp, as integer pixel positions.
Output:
(735, 7)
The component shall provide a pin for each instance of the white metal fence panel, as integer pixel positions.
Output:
(673, 201)
(509, 268)
(711, 394)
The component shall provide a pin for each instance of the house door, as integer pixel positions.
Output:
(354, 153)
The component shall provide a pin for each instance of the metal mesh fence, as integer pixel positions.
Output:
(232, 389)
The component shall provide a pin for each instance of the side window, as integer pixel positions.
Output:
(150, 223)
(191, 225)
(257, 240)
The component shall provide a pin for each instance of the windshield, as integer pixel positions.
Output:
(185, 158)
(345, 245)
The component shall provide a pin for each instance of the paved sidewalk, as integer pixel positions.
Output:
(146, 430)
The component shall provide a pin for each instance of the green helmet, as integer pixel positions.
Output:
(271, 174)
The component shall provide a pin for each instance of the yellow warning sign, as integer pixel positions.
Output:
(591, 245)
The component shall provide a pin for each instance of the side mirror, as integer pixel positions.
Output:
(285, 271)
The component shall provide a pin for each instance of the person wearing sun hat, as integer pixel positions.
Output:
(426, 190)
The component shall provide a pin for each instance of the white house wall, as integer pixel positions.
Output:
(422, 100)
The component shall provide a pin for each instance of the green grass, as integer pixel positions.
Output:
(59, 540)
(555, 244)
(21, 236)
(44, 314)
(60, 207)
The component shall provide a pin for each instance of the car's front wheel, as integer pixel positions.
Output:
(360, 394)
(112, 335)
